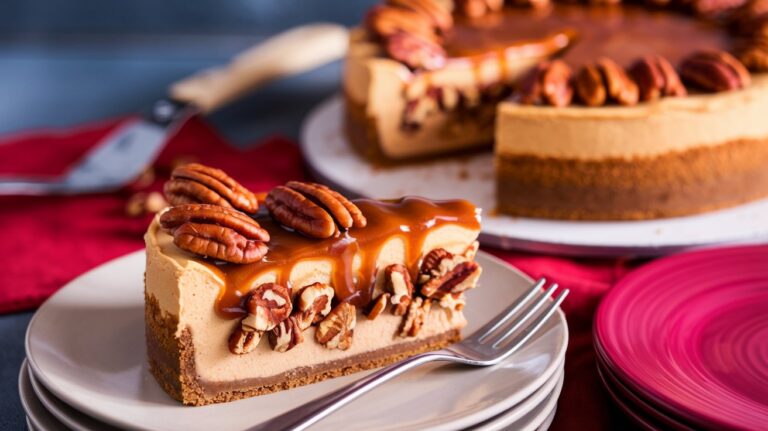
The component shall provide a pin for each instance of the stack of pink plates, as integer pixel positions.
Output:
(682, 343)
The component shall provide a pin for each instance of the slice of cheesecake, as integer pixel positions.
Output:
(313, 287)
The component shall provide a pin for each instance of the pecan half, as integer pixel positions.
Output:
(286, 335)
(313, 209)
(415, 51)
(336, 330)
(437, 263)
(415, 317)
(314, 304)
(437, 11)
(462, 277)
(267, 306)
(478, 8)
(754, 55)
(549, 83)
(656, 78)
(714, 71)
(397, 282)
(379, 304)
(605, 80)
(243, 340)
(194, 183)
(218, 232)
(385, 21)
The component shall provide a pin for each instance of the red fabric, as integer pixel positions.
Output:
(47, 241)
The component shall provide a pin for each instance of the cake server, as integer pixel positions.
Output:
(122, 156)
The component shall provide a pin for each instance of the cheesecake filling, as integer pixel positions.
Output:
(205, 298)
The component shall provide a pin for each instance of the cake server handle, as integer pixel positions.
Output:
(304, 416)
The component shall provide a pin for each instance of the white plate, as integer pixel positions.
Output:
(86, 345)
(471, 177)
(538, 418)
(526, 415)
(38, 418)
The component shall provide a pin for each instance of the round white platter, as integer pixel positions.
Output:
(86, 345)
(332, 160)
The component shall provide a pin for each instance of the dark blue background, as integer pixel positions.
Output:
(63, 62)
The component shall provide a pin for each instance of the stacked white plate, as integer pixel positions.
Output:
(86, 370)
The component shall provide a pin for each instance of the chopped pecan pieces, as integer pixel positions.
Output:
(267, 306)
(656, 78)
(478, 8)
(400, 287)
(336, 330)
(415, 51)
(379, 304)
(454, 301)
(313, 209)
(549, 83)
(314, 304)
(605, 80)
(385, 21)
(437, 263)
(437, 11)
(415, 317)
(754, 55)
(462, 277)
(243, 340)
(714, 71)
(214, 231)
(194, 183)
(286, 335)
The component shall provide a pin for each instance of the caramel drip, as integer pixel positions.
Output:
(409, 218)
(621, 32)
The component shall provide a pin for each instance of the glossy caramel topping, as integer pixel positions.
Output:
(621, 32)
(409, 218)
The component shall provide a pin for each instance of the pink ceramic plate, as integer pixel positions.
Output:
(690, 333)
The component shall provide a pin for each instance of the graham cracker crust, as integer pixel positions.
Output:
(172, 363)
(675, 184)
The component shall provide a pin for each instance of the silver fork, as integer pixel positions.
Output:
(496, 341)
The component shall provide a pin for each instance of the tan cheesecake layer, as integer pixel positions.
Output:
(193, 305)
(674, 157)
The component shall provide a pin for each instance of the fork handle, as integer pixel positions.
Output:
(308, 414)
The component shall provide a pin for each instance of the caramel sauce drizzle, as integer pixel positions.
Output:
(409, 218)
(622, 32)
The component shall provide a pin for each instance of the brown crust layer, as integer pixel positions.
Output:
(677, 184)
(172, 363)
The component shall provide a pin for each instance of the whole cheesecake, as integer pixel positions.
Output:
(244, 299)
(597, 111)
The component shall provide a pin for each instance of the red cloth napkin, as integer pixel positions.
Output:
(48, 241)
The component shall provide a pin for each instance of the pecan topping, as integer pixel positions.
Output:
(336, 330)
(437, 263)
(398, 283)
(605, 80)
(267, 305)
(415, 51)
(549, 83)
(715, 71)
(385, 21)
(414, 319)
(194, 183)
(314, 304)
(656, 78)
(454, 301)
(754, 55)
(313, 209)
(243, 340)
(378, 306)
(462, 277)
(437, 11)
(218, 232)
(286, 335)
(478, 8)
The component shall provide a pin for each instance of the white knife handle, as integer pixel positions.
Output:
(291, 52)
